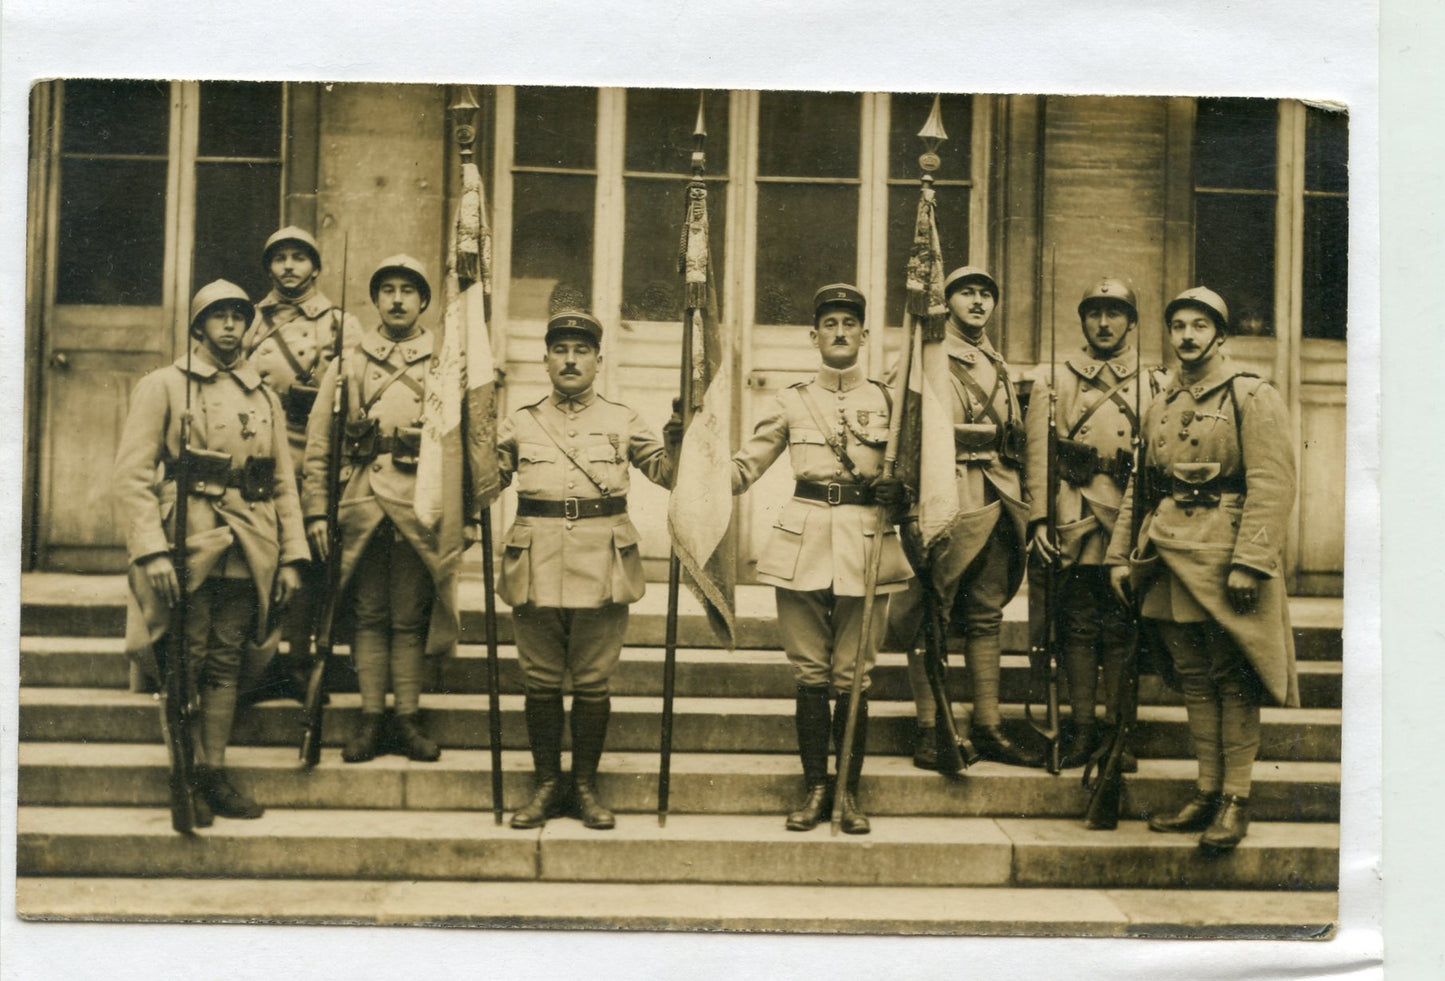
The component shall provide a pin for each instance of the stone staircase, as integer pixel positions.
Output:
(1000, 851)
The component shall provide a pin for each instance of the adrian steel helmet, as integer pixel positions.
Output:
(406, 265)
(296, 236)
(969, 274)
(1110, 288)
(215, 293)
(1205, 299)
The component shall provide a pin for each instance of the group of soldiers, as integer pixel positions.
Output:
(1202, 576)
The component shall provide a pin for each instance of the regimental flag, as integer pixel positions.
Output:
(926, 457)
(701, 506)
(457, 473)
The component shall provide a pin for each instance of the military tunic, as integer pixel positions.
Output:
(569, 580)
(816, 553)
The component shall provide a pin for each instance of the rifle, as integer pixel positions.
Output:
(954, 751)
(1043, 649)
(177, 698)
(313, 710)
(1106, 793)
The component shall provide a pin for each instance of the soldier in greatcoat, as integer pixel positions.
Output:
(403, 600)
(1217, 488)
(290, 342)
(571, 565)
(835, 428)
(244, 533)
(1095, 420)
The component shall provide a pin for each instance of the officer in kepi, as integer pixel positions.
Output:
(571, 564)
(244, 534)
(290, 342)
(1217, 487)
(835, 429)
(1095, 420)
(401, 598)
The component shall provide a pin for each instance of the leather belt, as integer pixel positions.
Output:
(833, 494)
(254, 484)
(571, 508)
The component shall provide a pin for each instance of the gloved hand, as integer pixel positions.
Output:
(672, 429)
(888, 491)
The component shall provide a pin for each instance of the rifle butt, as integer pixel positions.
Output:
(178, 746)
(1102, 813)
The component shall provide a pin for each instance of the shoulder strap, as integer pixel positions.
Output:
(577, 462)
(834, 444)
(1114, 395)
(1234, 404)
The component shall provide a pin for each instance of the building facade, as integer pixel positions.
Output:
(141, 191)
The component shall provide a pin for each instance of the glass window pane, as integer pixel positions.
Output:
(1234, 143)
(906, 116)
(651, 283)
(1234, 256)
(808, 134)
(659, 130)
(240, 119)
(1326, 267)
(1327, 150)
(552, 230)
(807, 238)
(237, 206)
(952, 216)
(556, 127)
(116, 117)
(111, 246)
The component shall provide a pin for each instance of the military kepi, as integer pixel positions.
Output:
(839, 295)
(578, 322)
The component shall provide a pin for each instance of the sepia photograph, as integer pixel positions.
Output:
(745, 510)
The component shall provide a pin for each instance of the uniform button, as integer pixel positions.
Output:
(1194, 442)
(1188, 512)
(1083, 431)
(1119, 433)
(376, 466)
(571, 432)
(568, 525)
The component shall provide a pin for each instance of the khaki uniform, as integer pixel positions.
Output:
(815, 555)
(569, 581)
(1225, 434)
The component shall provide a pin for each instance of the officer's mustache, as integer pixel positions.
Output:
(570, 370)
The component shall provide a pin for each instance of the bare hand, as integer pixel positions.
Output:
(1041, 544)
(288, 581)
(320, 541)
(161, 572)
(1243, 590)
(1119, 582)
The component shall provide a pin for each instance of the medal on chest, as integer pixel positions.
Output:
(246, 431)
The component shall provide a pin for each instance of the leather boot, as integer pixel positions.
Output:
(223, 799)
(1230, 825)
(853, 820)
(414, 743)
(1196, 815)
(202, 809)
(544, 733)
(925, 747)
(362, 744)
(1080, 747)
(994, 745)
(814, 724)
(589, 732)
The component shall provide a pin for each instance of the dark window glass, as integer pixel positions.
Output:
(808, 134)
(1326, 267)
(240, 119)
(116, 117)
(556, 127)
(807, 238)
(952, 218)
(111, 246)
(237, 206)
(1234, 256)
(906, 116)
(551, 245)
(659, 130)
(1327, 150)
(1234, 143)
(651, 282)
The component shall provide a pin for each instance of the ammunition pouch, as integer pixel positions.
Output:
(405, 448)
(1078, 461)
(1123, 466)
(210, 474)
(360, 437)
(256, 479)
(1012, 443)
(297, 402)
(975, 438)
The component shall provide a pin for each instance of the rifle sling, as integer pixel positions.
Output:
(571, 454)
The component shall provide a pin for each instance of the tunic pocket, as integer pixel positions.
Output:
(628, 583)
(516, 582)
(780, 555)
(893, 566)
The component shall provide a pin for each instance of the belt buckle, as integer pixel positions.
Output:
(571, 508)
(835, 494)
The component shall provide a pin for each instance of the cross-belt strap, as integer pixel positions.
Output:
(1115, 395)
(394, 374)
(303, 375)
(571, 454)
(829, 437)
(965, 378)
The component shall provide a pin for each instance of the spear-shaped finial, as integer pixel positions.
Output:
(699, 137)
(933, 136)
(463, 112)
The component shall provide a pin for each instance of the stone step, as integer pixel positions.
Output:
(134, 774)
(55, 604)
(727, 725)
(942, 910)
(424, 845)
(101, 662)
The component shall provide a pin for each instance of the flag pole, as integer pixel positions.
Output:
(685, 393)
